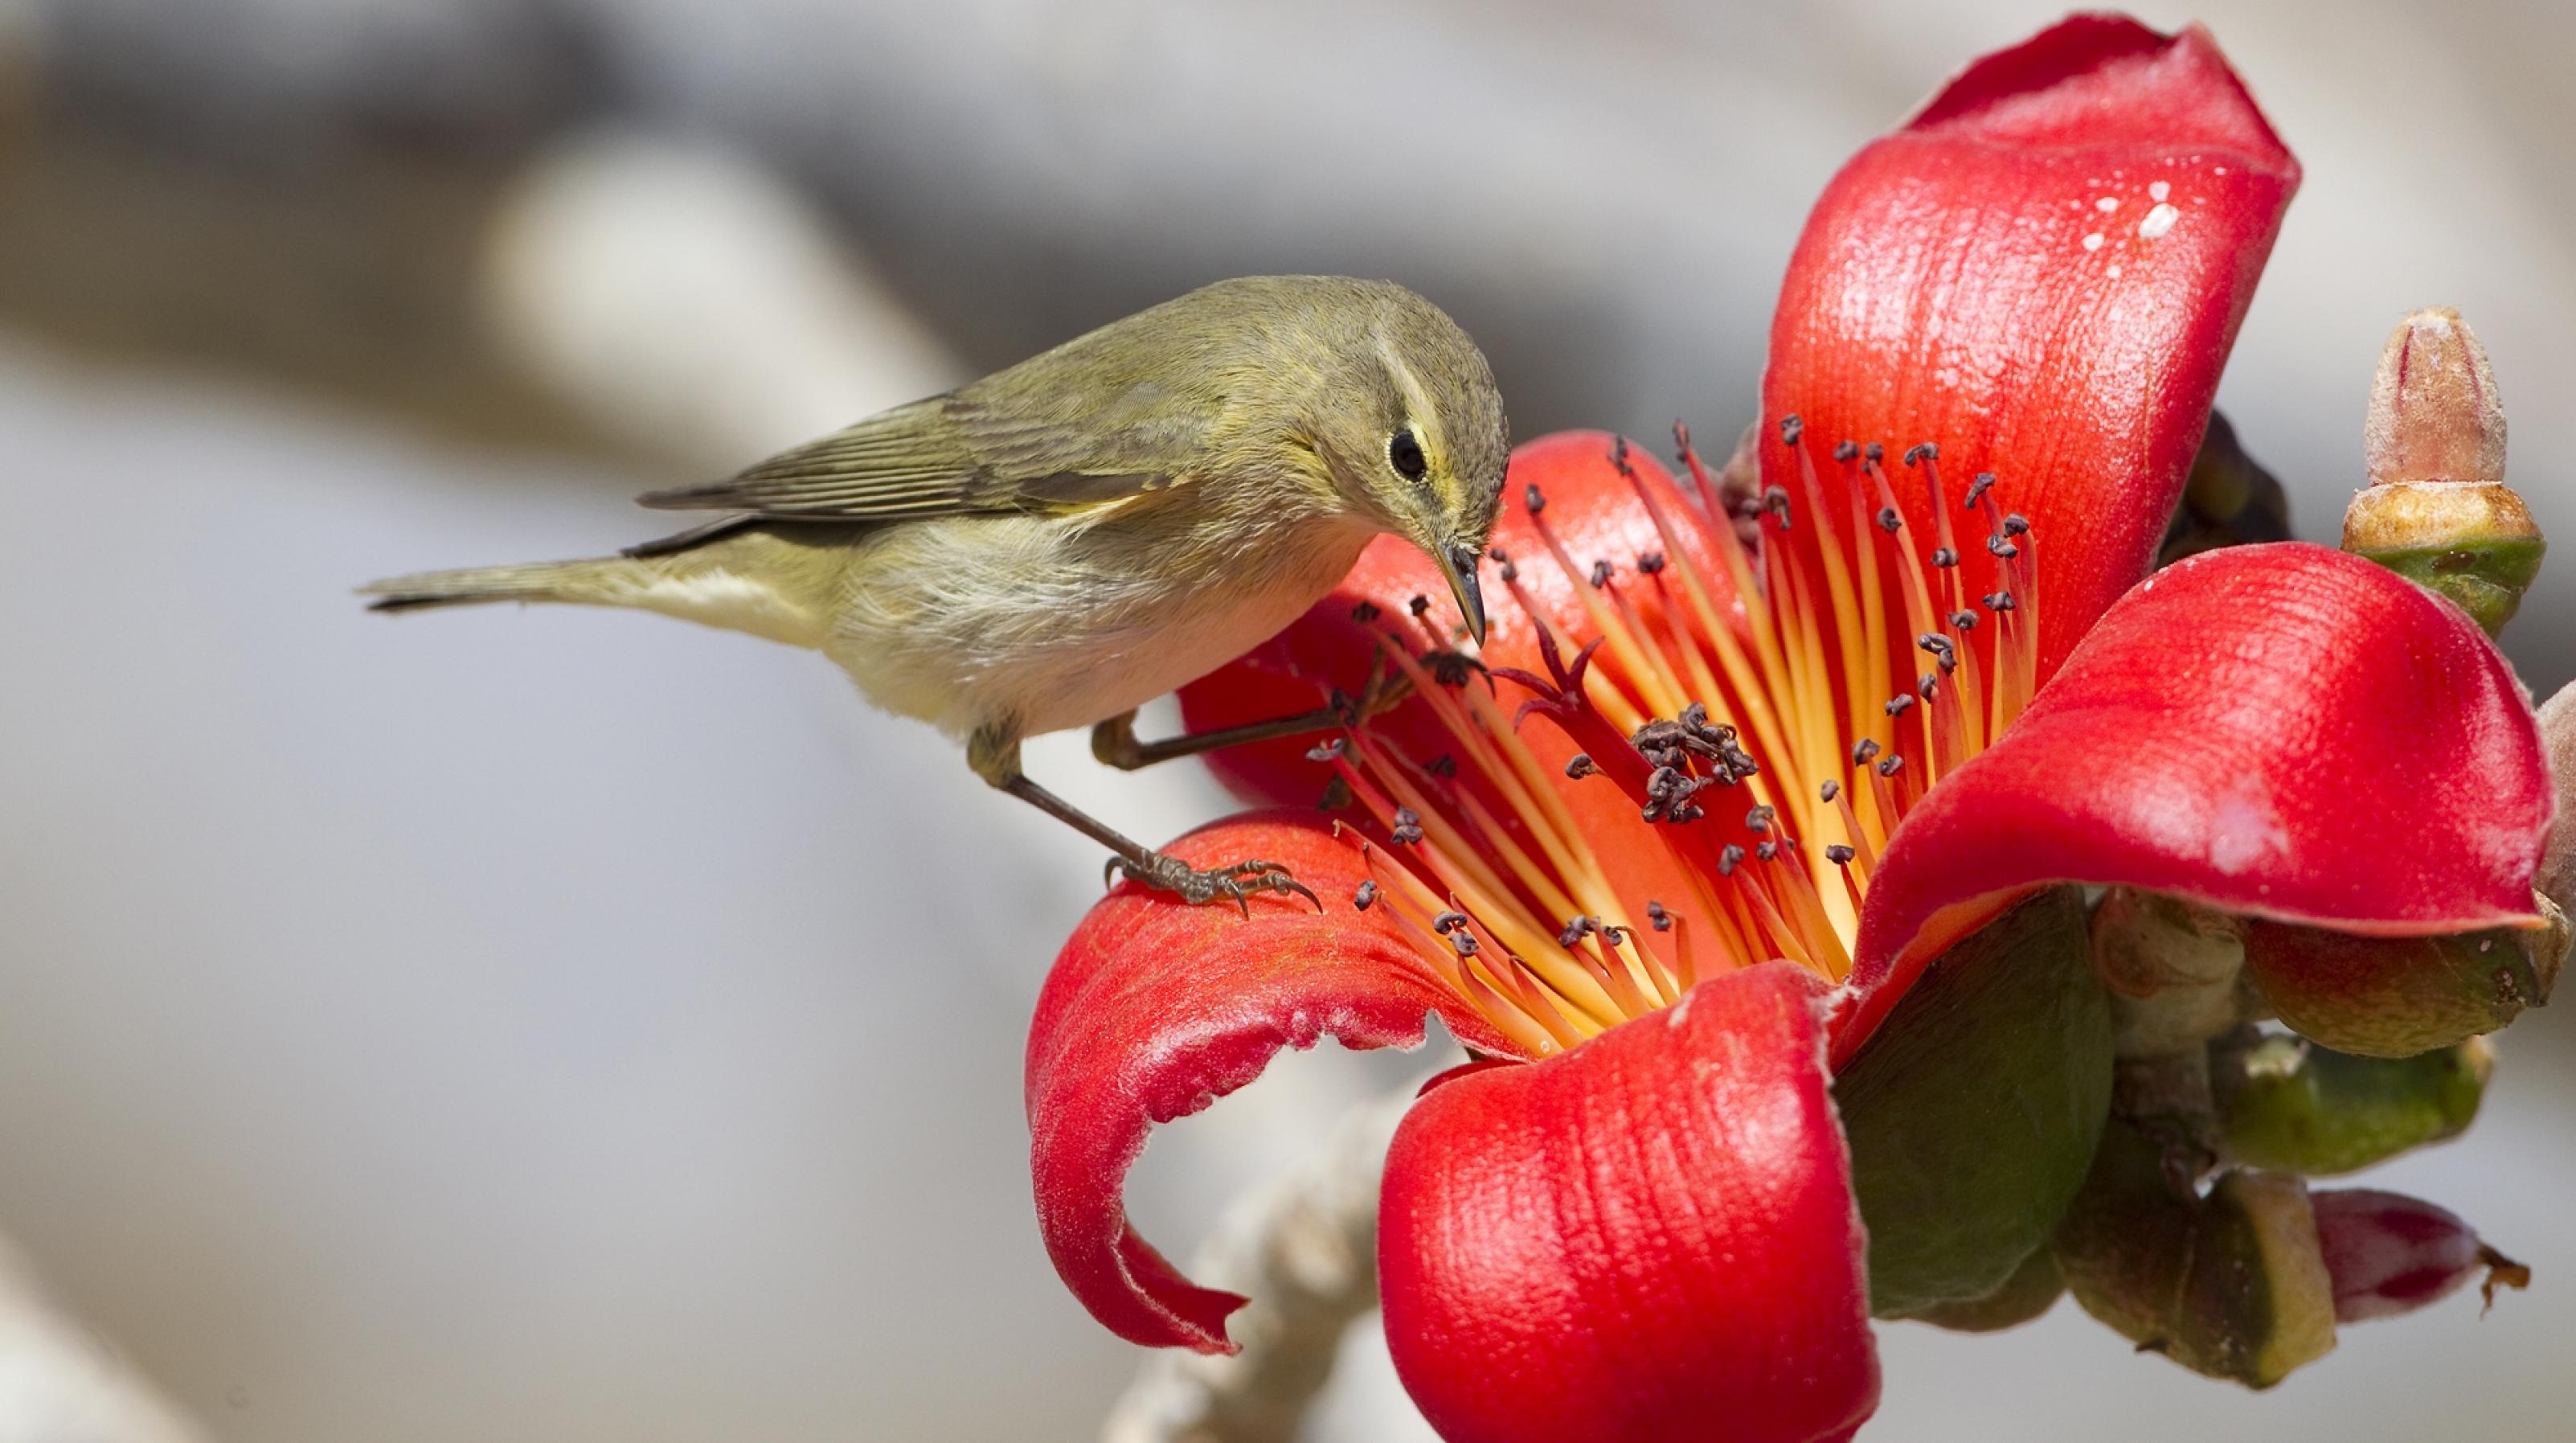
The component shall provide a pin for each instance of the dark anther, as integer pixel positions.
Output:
(1408, 826)
(1366, 612)
(1671, 744)
(1661, 920)
(1668, 796)
(1619, 456)
(1831, 789)
(1977, 490)
(1582, 766)
(1532, 498)
(1681, 442)
(2016, 524)
(1775, 499)
(1839, 855)
(1846, 451)
(1899, 704)
(1792, 428)
(1420, 605)
(1944, 556)
(1448, 922)
(1600, 574)
(1759, 819)
(1862, 751)
(1450, 668)
(2002, 547)
(1891, 766)
(1365, 895)
(1575, 931)
(1767, 851)
(1463, 942)
(1337, 795)
(1649, 563)
(1326, 750)
(1928, 684)
(1925, 452)
(1874, 451)
(1344, 710)
(1998, 601)
(1942, 649)
(1729, 859)
(1499, 556)
(1889, 521)
(1964, 620)
(1613, 933)
(1443, 765)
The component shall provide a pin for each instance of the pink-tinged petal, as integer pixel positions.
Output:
(2276, 731)
(2041, 273)
(1155, 1009)
(2390, 1254)
(1650, 1237)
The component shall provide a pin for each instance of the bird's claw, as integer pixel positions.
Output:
(1237, 883)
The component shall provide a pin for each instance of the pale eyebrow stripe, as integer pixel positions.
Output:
(1418, 409)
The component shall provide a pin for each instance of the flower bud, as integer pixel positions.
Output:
(2389, 1254)
(2437, 510)
(2231, 1285)
(2296, 1107)
(1973, 1111)
(2171, 968)
(2557, 878)
(2398, 996)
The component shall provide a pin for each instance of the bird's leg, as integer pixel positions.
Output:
(1116, 744)
(995, 756)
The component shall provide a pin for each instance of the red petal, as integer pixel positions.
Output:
(2279, 731)
(1156, 1009)
(1595, 513)
(1944, 292)
(1648, 1238)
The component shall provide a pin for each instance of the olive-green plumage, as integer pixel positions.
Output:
(1061, 541)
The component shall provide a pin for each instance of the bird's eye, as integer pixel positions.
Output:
(1405, 454)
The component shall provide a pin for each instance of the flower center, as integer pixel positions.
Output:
(1768, 744)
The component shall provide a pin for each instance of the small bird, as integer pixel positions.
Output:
(1062, 541)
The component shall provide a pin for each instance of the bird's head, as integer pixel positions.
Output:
(1424, 451)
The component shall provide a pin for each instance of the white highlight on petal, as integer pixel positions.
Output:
(2107, 204)
(2158, 221)
(2159, 190)
(2093, 242)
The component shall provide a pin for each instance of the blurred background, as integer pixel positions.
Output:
(574, 1025)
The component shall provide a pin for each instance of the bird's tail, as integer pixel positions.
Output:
(743, 582)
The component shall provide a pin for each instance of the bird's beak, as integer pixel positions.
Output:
(1459, 564)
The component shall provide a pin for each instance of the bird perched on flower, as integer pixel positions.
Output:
(1062, 541)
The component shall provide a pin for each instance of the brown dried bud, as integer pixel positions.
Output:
(2437, 510)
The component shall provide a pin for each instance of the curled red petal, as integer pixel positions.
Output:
(1650, 1237)
(1961, 282)
(1155, 1009)
(2279, 731)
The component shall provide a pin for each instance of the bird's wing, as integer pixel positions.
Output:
(983, 449)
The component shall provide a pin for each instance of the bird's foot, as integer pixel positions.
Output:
(1237, 883)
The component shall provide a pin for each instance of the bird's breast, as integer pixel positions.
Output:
(1047, 625)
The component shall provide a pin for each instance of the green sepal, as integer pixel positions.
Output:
(2311, 1110)
(2032, 1290)
(1973, 1111)
(2486, 578)
(2231, 1286)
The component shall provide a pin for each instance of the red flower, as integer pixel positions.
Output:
(1665, 925)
